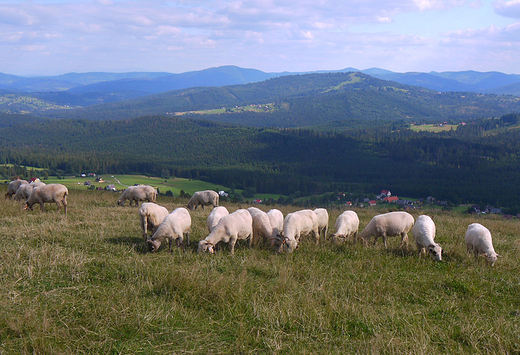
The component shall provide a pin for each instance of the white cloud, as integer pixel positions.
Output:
(508, 8)
(272, 35)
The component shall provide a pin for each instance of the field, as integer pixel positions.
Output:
(85, 283)
(122, 181)
(435, 128)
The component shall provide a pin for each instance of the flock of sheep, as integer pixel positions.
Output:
(259, 227)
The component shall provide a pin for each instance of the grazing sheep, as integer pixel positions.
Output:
(323, 221)
(151, 216)
(230, 228)
(262, 229)
(390, 224)
(215, 216)
(203, 198)
(13, 187)
(424, 234)
(173, 227)
(25, 190)
(137, 193)
(347, 225)
(297, 225)
(48, 193)
(276, 218)
(478, 241)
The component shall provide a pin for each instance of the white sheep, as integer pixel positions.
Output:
(137, 193)
(151, 216)
(203, 198)
(230, 228)
(424, 234)
(276, 218)
(13, 187)
(175, 226)
(262, 229)
(48, 193)
(389, 224)
(215, 216)
(323, 221)
(478, 240)
(347, 225)
(25, 190)
(296, 225)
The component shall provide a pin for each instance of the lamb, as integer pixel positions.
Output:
(174, 227)
(151, 216)
(478, 241)
(48, 193)
(297, 225)
(137, 193)
(215, 216)
(347, 225)
(13, 187)
(262, 229)
(230, 228)
(25, 190)
(323, 221)
(388, 225)
(203, 198)
(424, 234)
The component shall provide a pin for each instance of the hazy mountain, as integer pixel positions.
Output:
(146, 83)
(305, 100)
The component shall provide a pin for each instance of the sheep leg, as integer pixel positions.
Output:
(188, 238)
(384, 240)
(404, 239)
(232, 242)
(42, 207)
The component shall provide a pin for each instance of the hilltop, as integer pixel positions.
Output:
(303, 101)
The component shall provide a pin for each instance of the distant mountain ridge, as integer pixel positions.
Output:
(146, 83)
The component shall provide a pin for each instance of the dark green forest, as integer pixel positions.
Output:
(476, 163)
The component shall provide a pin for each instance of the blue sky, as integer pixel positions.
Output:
(50, 37)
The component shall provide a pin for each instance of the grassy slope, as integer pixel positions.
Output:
(84, 284)
(175, 185)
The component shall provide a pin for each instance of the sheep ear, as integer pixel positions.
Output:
(499, 256)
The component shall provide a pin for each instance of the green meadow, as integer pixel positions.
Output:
(85, 283)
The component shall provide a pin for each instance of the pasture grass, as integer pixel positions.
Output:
(85, 283)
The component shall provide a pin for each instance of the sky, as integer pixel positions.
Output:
(52, 37)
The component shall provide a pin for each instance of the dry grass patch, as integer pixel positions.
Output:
(85, 283)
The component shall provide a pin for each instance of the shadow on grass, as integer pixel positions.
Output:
(403, 253)
(137, 243)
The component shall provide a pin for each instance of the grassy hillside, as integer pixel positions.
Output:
(308, 100)
(84, 283)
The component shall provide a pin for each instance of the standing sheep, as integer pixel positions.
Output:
(424, 234)
(151, 216)
(48, 193)
(347, 225)
(137, 193)
(276, 218)
(203, 198)
(173, 227)
(297, 225)
(24, 191)
(262, 229)
(230, 228)
(13, 187)
(323, 221)
(389, 224)
(478, 240)
(215, 216)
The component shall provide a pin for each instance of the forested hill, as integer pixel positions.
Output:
(477, 163)
(307, 100)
